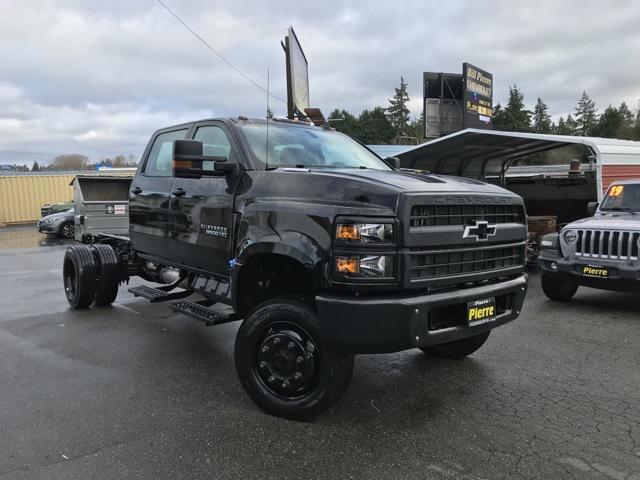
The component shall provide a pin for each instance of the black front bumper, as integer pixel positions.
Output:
(621, 275)
(391, 323)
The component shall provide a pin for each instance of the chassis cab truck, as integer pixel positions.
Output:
(601, 251)
(319, 247)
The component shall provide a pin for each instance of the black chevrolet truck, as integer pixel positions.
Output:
(320, 247)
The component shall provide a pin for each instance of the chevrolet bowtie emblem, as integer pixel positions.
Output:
(481, 231)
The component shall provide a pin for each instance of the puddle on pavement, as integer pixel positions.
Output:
(27, 236)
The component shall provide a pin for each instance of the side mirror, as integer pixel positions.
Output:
(189, 162)
(393, 162)
(591, 208)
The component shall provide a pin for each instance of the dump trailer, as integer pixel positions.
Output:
(318, 246)
(101, 205)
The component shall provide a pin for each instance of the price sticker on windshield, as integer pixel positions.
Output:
(616, 190)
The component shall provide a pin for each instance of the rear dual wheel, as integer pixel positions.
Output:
(90, 274)
(283, 364)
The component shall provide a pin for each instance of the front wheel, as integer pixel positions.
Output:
(560, 288)
(458, 348)
(67, 230)
(284, 366)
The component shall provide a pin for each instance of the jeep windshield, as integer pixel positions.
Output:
(622, 198)
(305, 147)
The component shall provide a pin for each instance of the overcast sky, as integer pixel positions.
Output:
(99, 77)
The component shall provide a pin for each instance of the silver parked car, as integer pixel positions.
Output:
(60, 224)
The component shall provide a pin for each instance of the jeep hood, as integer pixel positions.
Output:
(622, 221)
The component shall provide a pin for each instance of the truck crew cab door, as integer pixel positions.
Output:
(202, 208)
(149, 207)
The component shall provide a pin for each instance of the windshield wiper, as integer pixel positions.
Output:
(619, 209)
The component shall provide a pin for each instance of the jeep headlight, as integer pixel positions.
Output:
(570, 236)
(364, 232)
(364, 266)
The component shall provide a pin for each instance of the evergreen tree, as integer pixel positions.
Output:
(374, 127)
(586, 116)
(541, 119)
(398, 112)
(416, 129)
(35, 167)
(571, 126)
(499, 118)
(609, 123)
(344, 122)
(626, 128)
(517, 118)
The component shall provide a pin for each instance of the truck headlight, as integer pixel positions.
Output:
(570, 236)
(365, 232)
(365, 266)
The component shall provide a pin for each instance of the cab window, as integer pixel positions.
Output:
(215, 142)
(159, 160)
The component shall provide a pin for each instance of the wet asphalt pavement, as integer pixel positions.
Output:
(134, 391)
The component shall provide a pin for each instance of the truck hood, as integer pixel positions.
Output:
(407, 181)
(371, 192)
(623, 221)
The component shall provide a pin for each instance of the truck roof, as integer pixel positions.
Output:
(242, 119)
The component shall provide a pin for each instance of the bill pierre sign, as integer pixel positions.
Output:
(478, 97)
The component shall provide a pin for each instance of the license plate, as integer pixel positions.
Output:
(481, 311)
(595, 271)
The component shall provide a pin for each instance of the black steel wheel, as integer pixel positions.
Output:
(79, 273)
(284, 366)
(67, 230)
(458, 348)
(108, 274)
(558, 287)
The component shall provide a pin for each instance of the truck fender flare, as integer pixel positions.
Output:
(311, 263)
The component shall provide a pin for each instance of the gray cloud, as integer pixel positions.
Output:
(98, 79)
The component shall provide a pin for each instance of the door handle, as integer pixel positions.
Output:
(136, 190)
(178, 192)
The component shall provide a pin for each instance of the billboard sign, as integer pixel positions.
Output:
(478, 97)
(297, 76)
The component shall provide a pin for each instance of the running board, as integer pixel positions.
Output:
(158, 294)
(201, 311)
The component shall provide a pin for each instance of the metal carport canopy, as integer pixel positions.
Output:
(480, 153)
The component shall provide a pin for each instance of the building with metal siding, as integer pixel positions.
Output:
(22, 194)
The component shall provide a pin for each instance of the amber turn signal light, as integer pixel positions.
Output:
(347, 232)
(347, 265)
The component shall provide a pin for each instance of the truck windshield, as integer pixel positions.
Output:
(293, 146)
(624, 198)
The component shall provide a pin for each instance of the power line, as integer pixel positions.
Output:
(208, 45)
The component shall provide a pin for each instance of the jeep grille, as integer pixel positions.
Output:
(614, 245)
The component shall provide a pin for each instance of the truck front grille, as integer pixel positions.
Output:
(614, 245)
(452, 260)
(432, 215)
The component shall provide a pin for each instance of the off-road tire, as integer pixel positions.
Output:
(557, 287)
(458, 348)
(323, 373)
(79, 273)
(67, 230)
(108, 274)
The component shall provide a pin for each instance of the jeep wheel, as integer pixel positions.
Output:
(284, 366)
(107, 287)
(67, 230)
(560, 288)
(458, 348)
(79, 273)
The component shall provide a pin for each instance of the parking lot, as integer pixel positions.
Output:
(134, 391)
